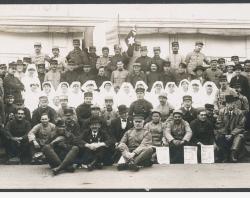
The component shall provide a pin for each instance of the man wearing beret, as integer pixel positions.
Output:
(85, 74)
(242, 80)
(136, 75)
(141, 105)
(11, 84)
(71, 74)
(77, 55)
(188, 112)
(224, 90)
(39, 57)
(196, 58)
(83, 111)
(43, 108)
(213, 73)
(144, 60)
(54, 74)
(136, 146)
(61, 61)
(177, 134)
(95, 144)
(156, 59)
(230, 139)
(175, 58)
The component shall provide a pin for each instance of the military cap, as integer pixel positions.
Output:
(238, 67)
(53, 62)
(137, 42)
(138, 116)
(187, 97)
(27, 60)
(92, 47)
(177, 111)
(199, 67)
(144, 48)
(183, 65)
(19, 62)
(247, 61)
(47, 83)
(95, 119)
(76, 41)
(71, 62)
(137, 64)
(105, 48)
(155, 111)
(12, 65)
(55, 47)
(122, 109)
(214, 59)
(108, 97)
(9, 96)
(163, 94)
(139, 90)
(156, 48)
(166, 63)
(230, 98)
(63, 97)
(42, 65)
(43, 96)
(68, 111)
(95, 106)
(86, 65)
(175, 43)
(199, 43)
(116, 46)
(221, 60)
(88, 94)
(37, 44)
(230, 63)
(222, 78)
(209, 106)
(3, 65)
(234, 58)
(60, 123)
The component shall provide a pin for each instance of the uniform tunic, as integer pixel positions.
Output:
(175, 60)
(158, 61)
(69, 76)
(118, 77)
(193, 59)
(78, 56)
(140, 105)
(213, 75)
(156, 130)
(133, 77)
(145, 63)
(13, 85)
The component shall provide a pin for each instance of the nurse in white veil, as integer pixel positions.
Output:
(49, 91)
(30, 76)
(195, 90)
(107, 89)
(75, 96)
(157, 88)
(209, 92)
(126, 94)
(172, 94)
(90, 86)
(62, 89)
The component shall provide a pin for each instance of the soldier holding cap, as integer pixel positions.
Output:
(136, 146)
(61, 61)
(177, 134)
(77, 55)
(213, 72)
(43, 108)
(189, 113)
(39, 57)
(11, 84)
(196, 58)
(175, 58)
(53, 75)
(144, 60)
(230, 139)
(242, 80)
(141, 105)
(136, 75)
(156, 59)
(95, 145)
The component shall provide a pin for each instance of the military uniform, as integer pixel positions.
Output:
(141, 105)
(37, 113)
(134, 77)
(145, 61)
(78, 56)
(118, 77)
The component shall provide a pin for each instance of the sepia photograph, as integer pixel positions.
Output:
(124, 97)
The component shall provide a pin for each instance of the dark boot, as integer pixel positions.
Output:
(91, 166)
(133, 167)
(51, 156)
(123, 166)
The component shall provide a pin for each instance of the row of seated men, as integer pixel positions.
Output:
(87, 138)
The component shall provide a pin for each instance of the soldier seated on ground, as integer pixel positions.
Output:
(61, 152)
(177, 134)
(95, 145)
(136, 146)
(39, 136)
(229, 136)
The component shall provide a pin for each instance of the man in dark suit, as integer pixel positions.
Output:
(119, 126)
(189, 113)
(95, 144)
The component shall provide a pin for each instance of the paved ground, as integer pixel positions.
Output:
(159, 176)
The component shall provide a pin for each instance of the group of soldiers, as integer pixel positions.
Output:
(86, 110)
